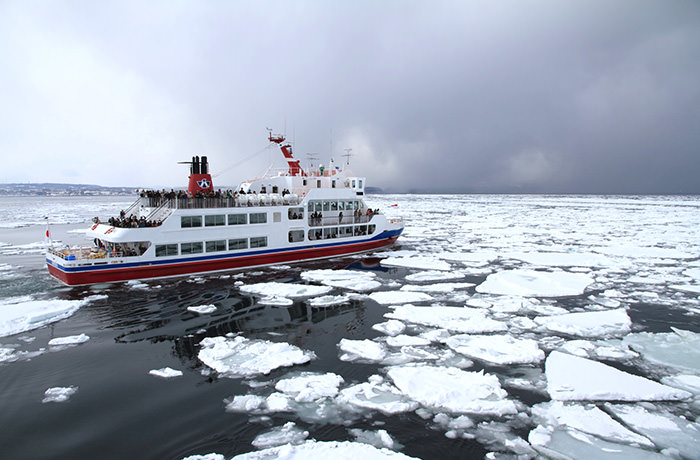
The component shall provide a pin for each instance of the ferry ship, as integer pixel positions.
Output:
(289, 215)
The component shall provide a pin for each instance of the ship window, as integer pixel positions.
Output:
(191, 248)
(258, 218)
(371, 229)
(359, 183)
(239, 243)
(341, 205)
(214, 246)
(163, 250)
(258, 242)
(315, 234)
(275, 189)
(276, 217)
(318, 206)
(353, 183)
(318, 183)
(303, 182)
(326, 206)
(334, 205)
(190, 221)
(296, 236)
(332, 184)
(345, 231)
(330, 232)
(215, 220)
(237, 219)
(355, 204)
(296, 213)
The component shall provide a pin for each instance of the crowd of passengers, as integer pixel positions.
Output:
(185, 195)
(129, 222)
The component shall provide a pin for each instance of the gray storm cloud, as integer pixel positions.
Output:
(535, 96)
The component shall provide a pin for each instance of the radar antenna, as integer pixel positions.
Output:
(347, 154)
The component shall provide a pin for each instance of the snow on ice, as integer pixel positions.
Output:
(497, 349)
(344, 279)
(678, 349)
(668, 431)
(572, 377)
(241, 357)
(457, 319)
(285, 289)
(165, 372)
(25, 315)
(323, 450)
(202, 309)
(433, 275)
(308, 386)
(59, 394)
(416, 261)
(70, 340)
(289, 433)
(399, 297)
(588, 324)
(532, 283)
(451, 389)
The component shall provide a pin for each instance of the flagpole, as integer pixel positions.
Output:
(47, 235)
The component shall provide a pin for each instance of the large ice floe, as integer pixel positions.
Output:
(291, 290)
(588, 324)
(24, 315)
(456, 319)
(344, 279)
(572, 377)
(451, 389)
(241, 357)
(497, 349)
(534, 283)
(323, 450)
(678, 349)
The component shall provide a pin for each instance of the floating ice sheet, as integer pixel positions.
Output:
(367, 350)
(497, 349)
(391, 327)
(399, 297)
(59, 394)
(376, 394)
(26, 315)
(451, 389)
(566, 443)
(202, 309)
(571, 377)
(165, 372)
(562, 259)
(588, 419)
(668, 431)
(344, 279)
(433, 275)
(531, 283)
(421, 262)
(588, 324)
(309, 386)
(457, 319)
(291, 290)
(70, 340)
(323, 450)
(437, 287)
(241, 357)
(329, 300)
(678, 349)
(289, 433)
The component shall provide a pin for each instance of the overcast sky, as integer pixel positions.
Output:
(455, 96)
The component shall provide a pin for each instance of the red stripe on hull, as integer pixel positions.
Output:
(162, 271)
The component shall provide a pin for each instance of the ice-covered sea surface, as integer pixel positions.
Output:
(499, 326)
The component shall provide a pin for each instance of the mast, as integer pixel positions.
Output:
(294, 166)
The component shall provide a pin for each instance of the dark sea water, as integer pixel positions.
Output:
(120, 411)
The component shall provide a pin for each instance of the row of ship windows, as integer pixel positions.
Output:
(216, 220)
(318, 206)
(198, 247)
